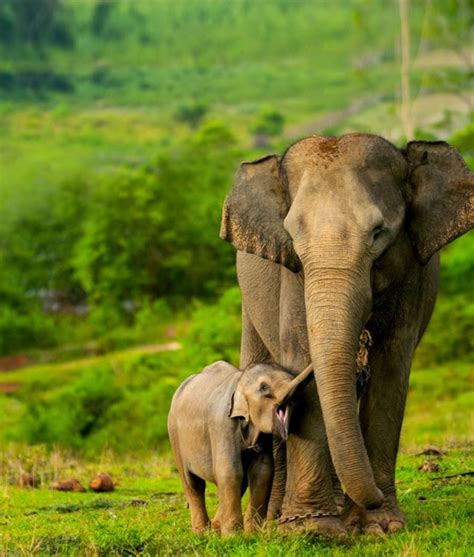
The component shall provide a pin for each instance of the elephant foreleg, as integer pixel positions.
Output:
(381, 415)
(252, 348)
(309, 503)
(260, 474)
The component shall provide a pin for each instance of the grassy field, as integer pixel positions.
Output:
(147, 515)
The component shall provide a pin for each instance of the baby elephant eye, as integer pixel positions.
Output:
(264, 388)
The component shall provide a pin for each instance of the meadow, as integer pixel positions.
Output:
(147, 514)
(121, 125)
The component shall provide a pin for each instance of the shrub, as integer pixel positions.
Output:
(214, 333)
(70, 415)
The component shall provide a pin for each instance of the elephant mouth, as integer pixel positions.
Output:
(282, 420)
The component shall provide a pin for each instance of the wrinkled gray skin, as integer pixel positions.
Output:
(215, 422)
(338, 234)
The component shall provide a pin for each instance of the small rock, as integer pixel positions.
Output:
(68, 485)
(25, 479)
(428, 466)
(102, 483)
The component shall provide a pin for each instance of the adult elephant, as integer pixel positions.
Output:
(337, 235)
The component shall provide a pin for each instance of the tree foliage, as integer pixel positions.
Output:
(35, 23)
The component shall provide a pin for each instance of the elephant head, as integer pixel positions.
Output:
(335, 208)
(264, 397)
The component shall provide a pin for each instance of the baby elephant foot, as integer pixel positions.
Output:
(316, 524)
(200, 527)
(216, 522)
(387, 519)
(254, 524)
(231, 527)
(353, 517)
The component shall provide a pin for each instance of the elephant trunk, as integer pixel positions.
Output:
(337, 304)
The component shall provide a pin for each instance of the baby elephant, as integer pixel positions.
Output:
(217, 426)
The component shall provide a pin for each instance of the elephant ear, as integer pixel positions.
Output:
(441, 197)
(253, 214)
(239, 407)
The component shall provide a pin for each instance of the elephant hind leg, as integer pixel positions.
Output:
(194, 489)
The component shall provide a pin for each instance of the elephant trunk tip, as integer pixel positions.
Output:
(370, 502)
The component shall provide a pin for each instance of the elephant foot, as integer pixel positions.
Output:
(316, 524)
(274, 512)
(384, 520)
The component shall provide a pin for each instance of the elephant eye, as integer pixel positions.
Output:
(377, 233)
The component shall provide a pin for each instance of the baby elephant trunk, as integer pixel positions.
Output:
(297, 384)
(283, 408)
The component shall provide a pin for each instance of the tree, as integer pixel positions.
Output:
(191, 114)
(35, 23)
(268, 123)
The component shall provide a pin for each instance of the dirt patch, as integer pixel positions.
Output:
(13, 362)
(154, 348)
(444, 59)
(9, 387)
(331, 119)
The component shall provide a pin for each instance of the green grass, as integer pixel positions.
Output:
(147, 515)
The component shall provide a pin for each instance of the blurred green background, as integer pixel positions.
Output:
(121, 125)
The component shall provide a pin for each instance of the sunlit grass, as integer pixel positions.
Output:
(147, 515)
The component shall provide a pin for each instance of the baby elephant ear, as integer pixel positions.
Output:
(441, 199)
(253, 214)
(239, 407)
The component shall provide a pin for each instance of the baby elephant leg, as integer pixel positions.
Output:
(260, 475)
(194, 489)
(216, 521)
(229, 484)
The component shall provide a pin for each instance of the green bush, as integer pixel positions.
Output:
(25, 329)
(450, 333)
(70, 415)
(457, 266)
(268, 122)
(191, 114)
(153, 231)
(214, 333)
